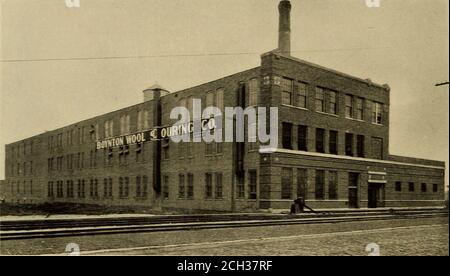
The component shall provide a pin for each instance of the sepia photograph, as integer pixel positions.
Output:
(224, 132)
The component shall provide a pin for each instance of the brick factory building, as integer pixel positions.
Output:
(333, 149)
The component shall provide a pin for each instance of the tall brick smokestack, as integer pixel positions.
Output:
(284, 31)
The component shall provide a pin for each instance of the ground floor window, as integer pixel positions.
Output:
(320, 184)
(240, 187)
(302, 182)
(286, 180)
(208, 185)
(333, 185)
(181, 186)
(219, 186)
(252, 186)
(190, 186)
(165, 187)
(50, 190)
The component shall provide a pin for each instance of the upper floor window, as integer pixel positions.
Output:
(125, 124)
(360, 145)
(377, 148)
(348, 106)
(435, 188)
(210, 99)
(360, 109)
(286, 91)
(253, 87)
(320, 140)
(398, 186)
(423, 187)
(302, 94)
(320, 100)
(349, 144)
(303, 138)
(287, 136)
(333, 146)
(142, 123)
(109, 128)
(333, 108)
(377, 113)
(219, 99)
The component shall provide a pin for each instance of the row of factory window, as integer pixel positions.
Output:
(399, 187)
(295, 93)
(287, 182)
(213, 186)
(22, 187)
(67, 189)
(333, 139)
(21, 169)
(78, 161)
(22, 149)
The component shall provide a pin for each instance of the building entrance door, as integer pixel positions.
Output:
(375, 195)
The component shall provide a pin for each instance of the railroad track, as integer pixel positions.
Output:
(68, 228)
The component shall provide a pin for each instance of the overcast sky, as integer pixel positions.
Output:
(403, 43)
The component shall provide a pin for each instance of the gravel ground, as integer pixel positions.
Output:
(427, 239)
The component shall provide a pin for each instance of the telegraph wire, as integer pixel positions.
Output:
(174, 55)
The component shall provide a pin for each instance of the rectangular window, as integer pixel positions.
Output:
(110, 187)
(209, 148)
(320, 100)
(411, 187)
(435, 188)
(126, 187)
(398, 186)
(332, 108)
(69, 191)
(377, 148)
(240, 187)
(303, 138)
(320, 140)
(333, 185)
(349, 144)
(219, 100)
(423, 187)
(181, 186)
(138, 186)
(360, 109)
(208, 185)
(165, 187)
(144, 186)
(360, 141)
(190, 186)
(140, 118)
(302, 183)
(50, 190)
(253, 88)
(105, 187)
(252, 185)
(302, 95)
(286, 183)
(287, 136)
(286, 90)
(219, 186)
(349, 106)
(320, 185)
(377, 113)
(333, 143)
(210, 99)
